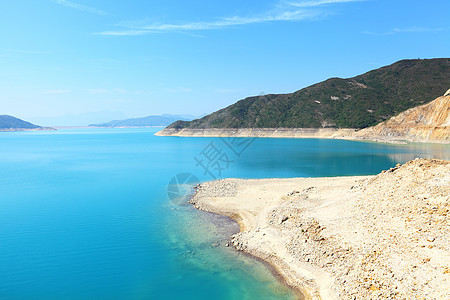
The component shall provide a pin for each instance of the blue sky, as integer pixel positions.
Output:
(92, 60)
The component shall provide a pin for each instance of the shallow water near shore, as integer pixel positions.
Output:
(85, 214)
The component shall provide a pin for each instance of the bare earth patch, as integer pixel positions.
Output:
(370, 237)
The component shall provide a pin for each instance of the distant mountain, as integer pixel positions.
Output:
(357, 102)
(161, 120)
(79, 119)
(9, 123)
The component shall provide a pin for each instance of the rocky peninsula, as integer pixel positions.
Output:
(365, 237)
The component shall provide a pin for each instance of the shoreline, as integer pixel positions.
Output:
(273, 268)
(27, 129)
(317, 133)
(429, 123)
(334, 238)
(285, 274)
(225, 242)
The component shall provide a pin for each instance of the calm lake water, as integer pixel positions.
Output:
(85, 213)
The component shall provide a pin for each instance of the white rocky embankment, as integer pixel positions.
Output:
(371, 237)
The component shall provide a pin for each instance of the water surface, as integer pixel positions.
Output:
(84, 213)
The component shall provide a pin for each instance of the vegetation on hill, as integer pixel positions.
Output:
(357, 102)
(9, 122)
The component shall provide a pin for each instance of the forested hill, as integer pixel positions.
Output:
(357, 102)
(12, 123)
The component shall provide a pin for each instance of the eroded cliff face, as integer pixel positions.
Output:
(429, 122)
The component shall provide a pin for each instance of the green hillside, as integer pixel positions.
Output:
(357, 102)
(9, 122)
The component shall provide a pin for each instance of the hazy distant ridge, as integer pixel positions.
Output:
(162, 120)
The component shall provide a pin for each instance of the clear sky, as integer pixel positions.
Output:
(102, 59)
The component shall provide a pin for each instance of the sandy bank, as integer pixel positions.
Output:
(324, 133)
(370, 237)
(259, 132)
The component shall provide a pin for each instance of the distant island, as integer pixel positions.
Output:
(157, 120)
(333, 108)
(9, 123)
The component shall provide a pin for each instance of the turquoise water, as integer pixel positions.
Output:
(84, 213)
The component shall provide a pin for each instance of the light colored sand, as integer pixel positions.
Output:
(305, 133)
(327, 133)
(372, 237)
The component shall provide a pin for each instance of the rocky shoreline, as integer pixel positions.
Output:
(259, 132)
(368, 237)
(321, 133)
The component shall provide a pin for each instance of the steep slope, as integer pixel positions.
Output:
(9, 123)
(428, 122)
(357, 102)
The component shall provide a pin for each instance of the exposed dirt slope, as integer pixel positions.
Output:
(429, 122)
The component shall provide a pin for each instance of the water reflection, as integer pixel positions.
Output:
(323, 158)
